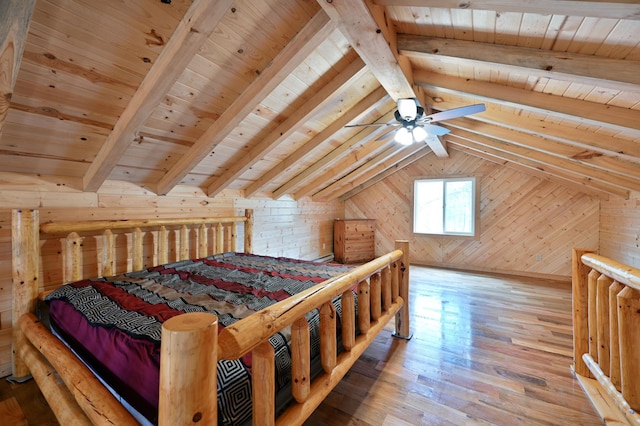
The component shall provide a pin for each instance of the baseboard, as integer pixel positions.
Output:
(564, 278)
(326, 258)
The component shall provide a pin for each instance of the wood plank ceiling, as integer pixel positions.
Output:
(252, 98)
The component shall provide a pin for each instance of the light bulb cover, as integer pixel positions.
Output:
(403, 136)
(407, 108)
(419, 134)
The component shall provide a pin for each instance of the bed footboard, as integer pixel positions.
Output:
(380, 285)
(606, 320)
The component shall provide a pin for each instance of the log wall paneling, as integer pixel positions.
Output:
(620, 229)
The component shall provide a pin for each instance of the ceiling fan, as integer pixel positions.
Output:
(415, 126)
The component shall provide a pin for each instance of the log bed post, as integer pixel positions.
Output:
(25, 256)
(402, 317)
(188, 363)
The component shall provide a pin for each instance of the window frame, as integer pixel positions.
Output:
(475, 203)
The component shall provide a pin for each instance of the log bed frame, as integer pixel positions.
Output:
(606, 335)
(190, 342)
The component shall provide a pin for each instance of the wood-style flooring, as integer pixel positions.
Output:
(486, 350)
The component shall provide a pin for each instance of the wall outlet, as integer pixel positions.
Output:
(538, 257)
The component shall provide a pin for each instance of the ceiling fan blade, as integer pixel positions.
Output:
(371, 124)
(432, 129)
(455, 113)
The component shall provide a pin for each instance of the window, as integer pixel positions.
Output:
(444, 206)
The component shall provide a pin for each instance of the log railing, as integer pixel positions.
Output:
(606, 330)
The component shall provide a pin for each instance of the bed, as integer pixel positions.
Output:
(294, 343)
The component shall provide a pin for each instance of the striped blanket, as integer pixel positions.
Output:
(114, 324)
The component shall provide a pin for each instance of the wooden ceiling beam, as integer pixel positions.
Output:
(585, 139)
(359, 187)
(368, 147)
(546, 162)
(367, 37)
(574, 109)
(14, 27)
(384, 161)
(614, 9)
(349, 146)
(540, 143)
(532, 171)
(373, 38)
(300, 47)
(559, 174)
(374, 98)
(243, 161)
(618, 74)
(194, 29)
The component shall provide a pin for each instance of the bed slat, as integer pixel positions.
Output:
(364, 311)
(386, 287)
(109, 254)
(348, 320)
(300, 359)
(328, 349)
(72, 258)
(262, 379)
(376, 296)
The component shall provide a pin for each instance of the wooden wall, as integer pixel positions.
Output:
(620, 229)
(300, 229)
(528, 225)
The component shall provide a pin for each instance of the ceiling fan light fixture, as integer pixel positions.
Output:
(403, 136)
(419, 134)
(407, 108)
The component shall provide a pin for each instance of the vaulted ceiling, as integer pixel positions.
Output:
(252, 97)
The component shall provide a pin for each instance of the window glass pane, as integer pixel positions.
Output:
(444, 206)
(458, 207)
(429, 202)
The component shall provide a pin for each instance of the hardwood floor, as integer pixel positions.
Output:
(486, 349)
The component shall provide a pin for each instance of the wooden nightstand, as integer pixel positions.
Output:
(354, 240)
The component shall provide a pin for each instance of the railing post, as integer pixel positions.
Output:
(629, 324)
(602, 311)
(580, 281)
(614, 335)
(592, 322)
(402, 318)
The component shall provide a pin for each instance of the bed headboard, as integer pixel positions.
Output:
(147, 243)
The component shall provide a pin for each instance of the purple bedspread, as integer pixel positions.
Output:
(115, 323)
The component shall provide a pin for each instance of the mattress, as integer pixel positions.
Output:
(114, 324)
